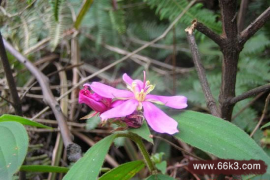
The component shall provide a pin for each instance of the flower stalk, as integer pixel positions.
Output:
(138, 140)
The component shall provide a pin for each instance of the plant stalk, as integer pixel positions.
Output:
(138, 140)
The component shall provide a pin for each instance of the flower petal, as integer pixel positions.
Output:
(139, 85)
(127, 79)
(124, 109)
(158, 120)
(84, 97)
(177, 102)
(117, 103)
(109, 92)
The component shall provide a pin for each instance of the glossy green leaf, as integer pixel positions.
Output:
(160, 177)
(143, 132)
(124, 171)
(24, 121)
(218, 137)
(44, 168)
(13, 148)
(89, 166)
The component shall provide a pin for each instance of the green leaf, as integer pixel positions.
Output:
(124, 171)
(162, 166)
(266, 125)
(60, 22)
(82, 12)
(88, 167)
(44, 168)
(160, 177)
(24, 121)
(13, 148)
(144, 132)
(218, 137)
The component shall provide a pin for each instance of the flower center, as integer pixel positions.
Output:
(141, 92)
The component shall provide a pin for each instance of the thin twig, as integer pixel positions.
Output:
(75, 59)
(178, 148)
(25, 93)
(42, 60)
(140, 57)
(195, 175)
(16, 103)
(58, 147)
(50, 100)
(37, 88)
(159, 46)
(43, 42)
(262, 117)
(254, 26)
(122, 59)
(211, 103)
(250, 93)
(246, 106)
(5, 99)
(208, 32)
(95, 131)
(242, 14)
(53, 122)
(48, 75)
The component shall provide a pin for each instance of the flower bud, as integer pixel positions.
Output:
(134, 120)
(94, 101)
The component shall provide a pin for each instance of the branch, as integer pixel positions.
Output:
(228, 16)
(230, 50)
(208, 32)
(211, 103)
(250, 93)
(242, 14)
(73, 150)
(246, 106)
(254, 26)
(16, 103)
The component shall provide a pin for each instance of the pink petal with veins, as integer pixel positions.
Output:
(158, 120)
(124, 109)
(177, 102)
(109, 92)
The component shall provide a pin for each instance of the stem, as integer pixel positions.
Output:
(254, 26)
(211, 103)
(138, 140)
(16, 103)
(250, 93)
(146, 156)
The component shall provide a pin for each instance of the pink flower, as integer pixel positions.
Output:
(94, 101)
(138, 98)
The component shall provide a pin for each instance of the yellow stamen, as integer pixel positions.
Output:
(150, 88)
